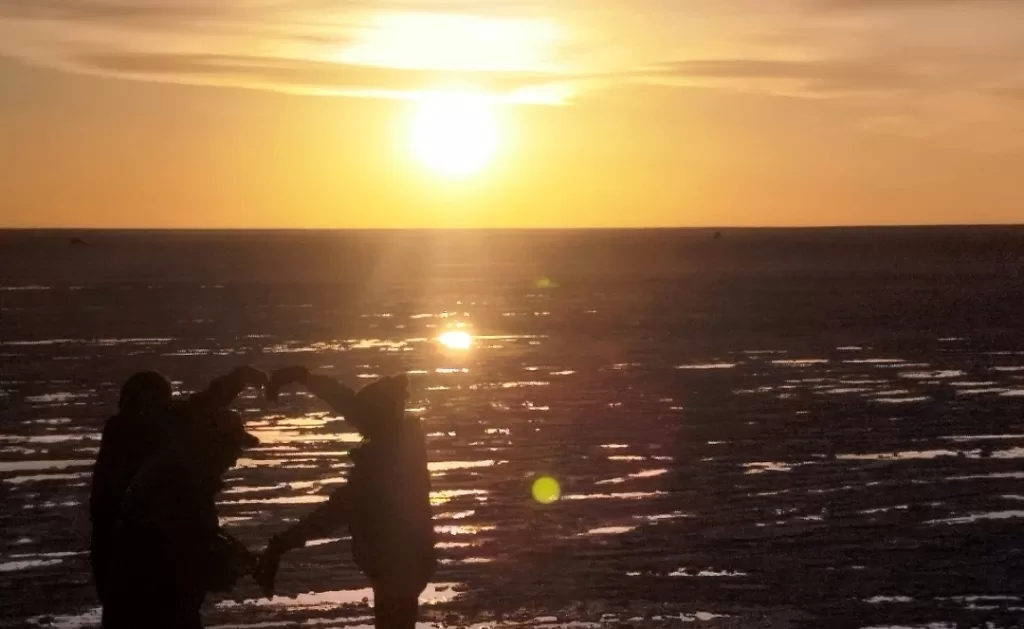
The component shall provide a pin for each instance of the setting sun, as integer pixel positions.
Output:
(454, 134)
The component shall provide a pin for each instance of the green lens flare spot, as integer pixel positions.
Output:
(546, 490)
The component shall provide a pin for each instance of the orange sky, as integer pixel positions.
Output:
(292, 113)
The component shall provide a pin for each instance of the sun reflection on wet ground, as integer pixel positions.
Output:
(456, 339)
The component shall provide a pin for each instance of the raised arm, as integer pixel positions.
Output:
(222, 391)
(324, 520)
(338, 396)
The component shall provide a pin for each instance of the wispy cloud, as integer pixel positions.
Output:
(358, 47)
(807, 77)
(109, 9)
(306, 75)
(806, 48)
(885, 5)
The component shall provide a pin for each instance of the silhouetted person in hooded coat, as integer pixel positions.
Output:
(146, 414)
(170, 550)
(386, 502)
(129, 438)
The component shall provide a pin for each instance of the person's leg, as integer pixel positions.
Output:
(407, 609)
(194, 620)
(394, 611)
(121, 613)
(174, 617)
(109, 618)
(120, 610)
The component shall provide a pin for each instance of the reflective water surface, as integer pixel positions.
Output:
(793, 429)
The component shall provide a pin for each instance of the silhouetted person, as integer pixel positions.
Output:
(129, 438)
(170, 550)
(386, 502)
(146, 412)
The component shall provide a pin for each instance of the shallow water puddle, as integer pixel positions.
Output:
(799, 362)
(930, 625)
(63, 438)
(663, 517)
(280, 500)
(977, 517)
(354, 622)
(760, 467)
(290, 435)
(36, 478)
(60, 397)
(24, 466)
(641, 474)
(960, 438)
(443, 466)
(224, 520)
(60, 555)
(607, 530)
(455, 515)
(28, 564)
(88, 619)
(626, 495)
(441, 497)
(465, 529)
(981, 391)
(905, 455)
(467, 560)
(54, 421)
(902, 400)
(683, 572)
(244, 463)
(324, 541)
(942, 374)
(434, 593)
(909, 455)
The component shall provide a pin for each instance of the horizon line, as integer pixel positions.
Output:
(519, 229)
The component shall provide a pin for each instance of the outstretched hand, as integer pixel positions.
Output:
(249, 376)
(280, 378)
(265, 571)
(231, 560)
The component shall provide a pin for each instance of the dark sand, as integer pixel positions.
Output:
(832, 441)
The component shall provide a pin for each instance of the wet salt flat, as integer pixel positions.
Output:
(763, 445)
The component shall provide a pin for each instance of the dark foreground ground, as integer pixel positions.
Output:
(761, 431)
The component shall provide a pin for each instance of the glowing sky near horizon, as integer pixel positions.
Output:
(293, 113)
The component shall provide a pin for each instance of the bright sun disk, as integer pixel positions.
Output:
(454, 134)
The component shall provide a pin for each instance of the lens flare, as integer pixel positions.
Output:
(546, 490)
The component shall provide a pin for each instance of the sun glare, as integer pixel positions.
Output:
(454, 134)
(455, 339)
